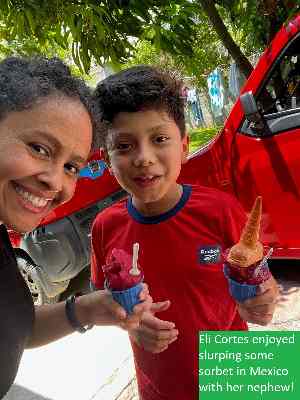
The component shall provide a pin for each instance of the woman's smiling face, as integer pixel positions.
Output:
(41, 152)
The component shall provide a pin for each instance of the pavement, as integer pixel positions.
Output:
(91, 366)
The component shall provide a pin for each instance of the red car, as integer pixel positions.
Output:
(256, 153)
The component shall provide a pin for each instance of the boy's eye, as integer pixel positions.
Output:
(161, 139)
(122, 146)
(72, 169)
(39, 149)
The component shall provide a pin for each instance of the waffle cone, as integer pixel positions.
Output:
(248, 250)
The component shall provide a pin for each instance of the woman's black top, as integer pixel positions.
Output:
(16, 313)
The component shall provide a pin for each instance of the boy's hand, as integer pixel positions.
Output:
(99, 308)
(260, 309)
(154, 334)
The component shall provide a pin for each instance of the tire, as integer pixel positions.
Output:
(37, 292)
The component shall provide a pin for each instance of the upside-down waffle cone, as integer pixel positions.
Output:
(248, 250)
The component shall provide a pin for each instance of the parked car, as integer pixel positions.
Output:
(256, 153)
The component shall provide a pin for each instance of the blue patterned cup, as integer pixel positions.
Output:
(127, 298)
(240, 291)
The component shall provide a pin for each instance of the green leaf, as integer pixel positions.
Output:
(30, 20)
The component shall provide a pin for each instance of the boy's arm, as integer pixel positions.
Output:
(97, 256)
(97, 276)
(260, 309)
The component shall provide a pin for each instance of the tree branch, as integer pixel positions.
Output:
(234, 50)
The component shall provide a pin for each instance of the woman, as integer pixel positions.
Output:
(47, 126)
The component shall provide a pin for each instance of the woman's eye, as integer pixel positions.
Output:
(41, 150)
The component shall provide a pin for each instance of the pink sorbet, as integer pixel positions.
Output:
(117, 269)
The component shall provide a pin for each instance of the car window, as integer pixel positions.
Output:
(282, 90)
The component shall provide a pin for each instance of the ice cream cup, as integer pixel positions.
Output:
(240, 291)
(243, 290)
(127, 298)
(253, 275)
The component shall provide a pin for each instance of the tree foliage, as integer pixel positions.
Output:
(252, 23)
(103, 30)
(208, 53)
(108, 30)
(258, 21)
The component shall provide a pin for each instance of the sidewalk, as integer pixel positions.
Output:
(96, 365)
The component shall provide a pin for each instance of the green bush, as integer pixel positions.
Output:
(200, 136)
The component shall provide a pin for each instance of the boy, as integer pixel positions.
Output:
(145, 143)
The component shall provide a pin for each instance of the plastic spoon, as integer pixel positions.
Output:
(134, 270)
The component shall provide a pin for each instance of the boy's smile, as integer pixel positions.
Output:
(145, 151)
(146, 180)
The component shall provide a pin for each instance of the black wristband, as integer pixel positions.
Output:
(71, 315)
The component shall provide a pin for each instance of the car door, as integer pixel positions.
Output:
(267, 161)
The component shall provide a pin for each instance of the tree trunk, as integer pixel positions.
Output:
(234, 50)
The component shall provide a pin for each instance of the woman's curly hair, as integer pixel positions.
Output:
(25, 82)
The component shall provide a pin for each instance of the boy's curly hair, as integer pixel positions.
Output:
(25, 82)
(139, 88)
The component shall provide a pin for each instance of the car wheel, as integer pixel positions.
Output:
(37, 292)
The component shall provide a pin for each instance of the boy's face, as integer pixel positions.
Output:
(145, 151)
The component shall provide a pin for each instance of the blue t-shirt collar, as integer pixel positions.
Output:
(136, 215)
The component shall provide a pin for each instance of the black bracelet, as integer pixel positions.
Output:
(71, 315)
